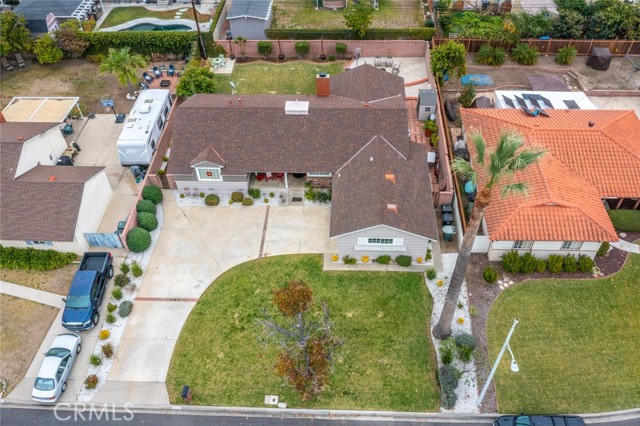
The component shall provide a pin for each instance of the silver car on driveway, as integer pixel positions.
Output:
(55, 369)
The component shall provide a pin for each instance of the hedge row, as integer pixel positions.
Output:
(30, 258)
(372, 34)
(143, 42)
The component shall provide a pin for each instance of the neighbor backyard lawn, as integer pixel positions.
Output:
(297, 77)
(625, 220)
(387, 360)
(576, 344)
(302, 14)
(120, 15)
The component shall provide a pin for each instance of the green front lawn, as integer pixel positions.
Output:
(297, 77)
(120, 15)
(625, 220)
(387, 360)
(577, 344)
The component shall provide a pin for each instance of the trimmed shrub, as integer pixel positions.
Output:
(146, 206)
(585, 263)
(265, 48)
(152, 193)
(529, 264)
(147, 221)
(341, 49)
(566, 55)
(143, 42)
(447, 350)
(465, 344)
(384, 259)
(604, 249)
(247, 202)
(449, 377)
(136, 269)
(490, 274)
(30, 258)
(107, 350)
(124, 268)
(111, 307)
(237, 197)
(302, 48)
(431, 274)
(125, 309)
(212, 200)
(95, 360)
(116, 293)
(121, 280)
(403, 260)
(348, 260)
(541, 265)
(554, 263)
(110, 319)
(489, 55)
(524, 54)
(569, 264)
(138, 240)
(254, 193)
(91, 382)
(201, 195)
(511, 262)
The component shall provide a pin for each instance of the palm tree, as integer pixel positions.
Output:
(502, 163)
(123, 64)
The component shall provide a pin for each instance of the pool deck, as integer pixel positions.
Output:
(160, 22)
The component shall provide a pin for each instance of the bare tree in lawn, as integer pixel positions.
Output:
(497, 166)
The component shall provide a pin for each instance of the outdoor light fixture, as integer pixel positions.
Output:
(514, 365)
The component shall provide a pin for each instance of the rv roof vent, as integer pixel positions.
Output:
(296, 108)
(144, 109)
(148, 101)
(130, 125)
(132, 120)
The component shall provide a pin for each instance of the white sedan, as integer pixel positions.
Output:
(55, 369)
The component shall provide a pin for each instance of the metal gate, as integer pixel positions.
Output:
(104, 240)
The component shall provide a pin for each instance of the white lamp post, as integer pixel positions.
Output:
(514, 365)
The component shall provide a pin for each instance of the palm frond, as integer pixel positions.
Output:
(464, 169)
(513, 188)
(524, 159)
(478, 142)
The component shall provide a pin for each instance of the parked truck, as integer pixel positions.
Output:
(82, 304)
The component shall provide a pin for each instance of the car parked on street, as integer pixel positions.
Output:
(539, 420)
(82, 304)
(56, 367)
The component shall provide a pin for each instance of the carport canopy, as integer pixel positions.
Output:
(51, 109)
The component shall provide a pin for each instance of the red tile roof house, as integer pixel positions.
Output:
(355, 132)
(592, 156)
(43, 205)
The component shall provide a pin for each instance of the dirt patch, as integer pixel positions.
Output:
(20, 335)
(56, 281)
(73, 77)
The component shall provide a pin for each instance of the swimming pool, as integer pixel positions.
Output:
(154, 27)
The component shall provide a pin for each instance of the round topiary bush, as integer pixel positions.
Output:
(146, 206)
(403, 260)
(490, 275)
(212, 200)
(237, 197)
(138, 240)
(147, 221)
(247, 202)
(125, 309)
(152, 193)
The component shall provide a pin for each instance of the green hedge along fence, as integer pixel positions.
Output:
(143, 42)
(30, 258)
(372, 34)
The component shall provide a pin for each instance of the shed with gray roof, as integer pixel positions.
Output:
(250, 18)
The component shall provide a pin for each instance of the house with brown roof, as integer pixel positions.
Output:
(43, 205)
(592, 163)
(352, 137)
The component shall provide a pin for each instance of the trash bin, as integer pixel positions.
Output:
(447, 232)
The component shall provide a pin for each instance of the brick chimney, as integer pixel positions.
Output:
(322, 85)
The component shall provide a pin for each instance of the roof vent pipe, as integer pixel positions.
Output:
(591, 124)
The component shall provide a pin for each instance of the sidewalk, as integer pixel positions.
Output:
(43, 297)
(626, 246)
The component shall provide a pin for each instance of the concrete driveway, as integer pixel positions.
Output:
(196, 245)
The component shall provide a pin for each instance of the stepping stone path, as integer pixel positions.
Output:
(184, 9)
(180, 12)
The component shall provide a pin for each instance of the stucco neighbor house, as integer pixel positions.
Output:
(43, 205)
(352, 137)
(249, 18)
(592, 163)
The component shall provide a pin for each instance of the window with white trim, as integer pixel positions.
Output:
(522, 245)
(39, 243)
(208, 173)
(571, 245)
(381, 241)
(318, 174)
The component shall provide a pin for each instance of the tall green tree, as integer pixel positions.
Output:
(359, 17)
(498, 165)
(569, 24)
(14, 34)
(123, 64)
(449, 58)
(196, 80)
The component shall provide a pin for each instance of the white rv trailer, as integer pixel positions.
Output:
(143, 128)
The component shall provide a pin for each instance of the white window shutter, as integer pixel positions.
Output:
(398, 241)
(362, 241)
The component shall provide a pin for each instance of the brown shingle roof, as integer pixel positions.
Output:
(377, 176)
(366, 83)
(13, 131)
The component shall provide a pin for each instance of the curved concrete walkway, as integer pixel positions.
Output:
(626, 246)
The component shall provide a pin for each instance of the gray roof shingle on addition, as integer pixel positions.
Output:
(366, 83)
(259, 9)
(38, 9)
(361, 191)
(33, 207)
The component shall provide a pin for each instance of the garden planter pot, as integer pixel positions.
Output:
(281, 57)
(428, 133)
(323, 57)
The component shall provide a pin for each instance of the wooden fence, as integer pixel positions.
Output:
(551, 46)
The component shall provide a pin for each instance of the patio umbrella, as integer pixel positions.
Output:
(548, 83)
